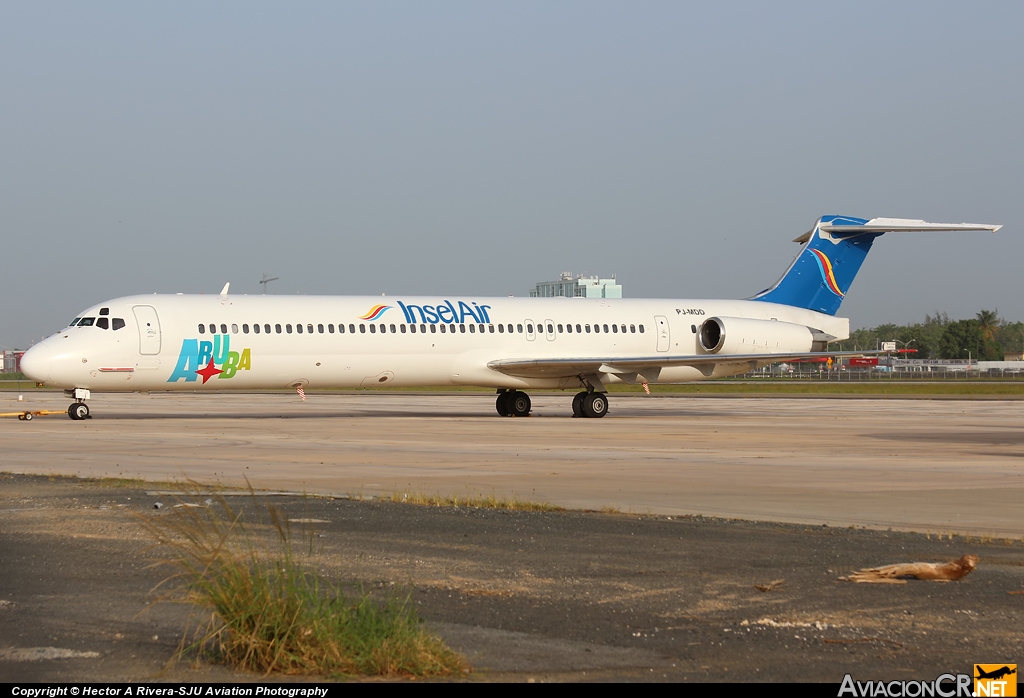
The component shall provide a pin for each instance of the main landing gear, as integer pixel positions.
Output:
(515, 403)
(593, 405)
(78, 409)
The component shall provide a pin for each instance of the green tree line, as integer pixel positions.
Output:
(985, 337)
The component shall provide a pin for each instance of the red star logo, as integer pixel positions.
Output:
(209, 372)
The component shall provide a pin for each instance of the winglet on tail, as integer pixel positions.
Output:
(832, 253)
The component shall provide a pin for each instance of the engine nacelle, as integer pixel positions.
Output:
(735, 335)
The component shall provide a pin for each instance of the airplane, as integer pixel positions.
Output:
(210, 342)
(994, 674)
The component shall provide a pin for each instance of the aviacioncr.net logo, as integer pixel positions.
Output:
(944, 686)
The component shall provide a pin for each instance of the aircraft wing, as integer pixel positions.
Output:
(568, 367)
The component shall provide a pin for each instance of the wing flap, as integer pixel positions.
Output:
(568, 367)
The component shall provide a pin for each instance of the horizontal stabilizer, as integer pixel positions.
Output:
(897, 225)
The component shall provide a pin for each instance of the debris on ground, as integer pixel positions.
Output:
(771, 623)
(770, 585)
(928, 571)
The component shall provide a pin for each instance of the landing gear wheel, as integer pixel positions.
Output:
(519, 404)
(595, 405)
(27, 417)
(577, 404)
(501, 404)
(78, 410)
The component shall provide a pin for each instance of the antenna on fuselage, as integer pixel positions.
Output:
(266, 280)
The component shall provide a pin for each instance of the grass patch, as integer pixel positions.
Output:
(261, 610)
(809, 387)
(486, 502)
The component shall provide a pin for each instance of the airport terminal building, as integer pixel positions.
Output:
(579, 286)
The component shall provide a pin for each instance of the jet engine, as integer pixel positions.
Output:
(734, 335)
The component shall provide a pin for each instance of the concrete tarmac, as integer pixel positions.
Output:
(921, 465)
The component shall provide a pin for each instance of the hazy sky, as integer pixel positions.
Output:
(476, 148)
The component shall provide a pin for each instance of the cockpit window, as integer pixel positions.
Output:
(103, 323)
(86, 321)
(118, 323)
(74, 322)
(104, 311)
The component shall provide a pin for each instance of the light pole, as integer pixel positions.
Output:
(905, 345)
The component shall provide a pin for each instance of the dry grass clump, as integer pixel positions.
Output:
(263, 611)
(486, 502)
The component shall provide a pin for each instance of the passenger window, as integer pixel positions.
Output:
(288, 329)
(578, 329)
(202, 328)
(615, 329)
(433, 329)
(423, 328)
(234, 328)
(309, 328)
(623, 329)
(362, 328)
(481, 328)
(373, 329)
(383, 328)
(341, 328)
(256, 329)
(462, 328)
(472, 328)
(443, 330)
(605, 328)
(519, 328)
(320, 329)
(588, 329)
(86, 322)
(490, 328)
(693, 328)
(266, 329)
(392, 329)
(551, 328)
(245, 328)
(412, 328)
(104, 311)
(501, 329)
(223, 328)
(641, 328)
(277, 328)
(298, 328)
(632, 329)
(330, 329)
(403, 327)
(103, 323)
(597, 329)
(529, 329)
(213, 328)
(117, 323)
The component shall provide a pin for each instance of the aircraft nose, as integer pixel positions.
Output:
(36, 362)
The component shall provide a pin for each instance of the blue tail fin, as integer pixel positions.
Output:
(822, 273)
(832, 254)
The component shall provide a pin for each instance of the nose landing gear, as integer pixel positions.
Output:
(78, 409)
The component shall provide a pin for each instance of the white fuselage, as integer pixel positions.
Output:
(165, 341)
